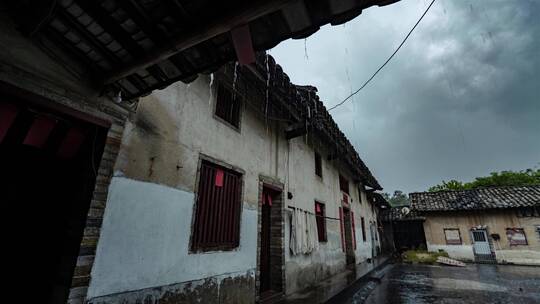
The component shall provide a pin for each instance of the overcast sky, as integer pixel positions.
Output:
(461, 99)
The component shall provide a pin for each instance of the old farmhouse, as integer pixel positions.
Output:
(157, 169)
(500, 224)
(216, 197)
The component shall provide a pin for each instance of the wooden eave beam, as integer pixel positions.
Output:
(177, 10)
(84, 35)
(102, 17)
(247, 14)
(147, 25)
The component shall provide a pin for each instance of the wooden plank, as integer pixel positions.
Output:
(147, 25)
(246, 14)
(74, 25)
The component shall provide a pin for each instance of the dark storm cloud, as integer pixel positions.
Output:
(460, 100)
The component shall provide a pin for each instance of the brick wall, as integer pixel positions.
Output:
(277, 241)
(87, 251)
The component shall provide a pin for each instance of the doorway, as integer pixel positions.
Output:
(349, 246)
(409, 234)
(48, 164)
(481, 246)
(271, 245)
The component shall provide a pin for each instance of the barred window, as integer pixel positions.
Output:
(228, 106)
(343, 184)
(217, 211)
(363, 229)
(318, 164)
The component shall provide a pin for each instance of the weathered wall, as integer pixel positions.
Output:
(145, 240)
(146, 230)
(496, 222)
(37, 75)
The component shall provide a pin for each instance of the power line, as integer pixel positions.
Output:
(387, 60)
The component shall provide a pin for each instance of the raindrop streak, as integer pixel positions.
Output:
(211, 91)
(267, 91)
(267, 85)
(234, 79)
(305, 49)
(308, 115)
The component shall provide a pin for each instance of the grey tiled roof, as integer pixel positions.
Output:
(400, 213)
(476, 199)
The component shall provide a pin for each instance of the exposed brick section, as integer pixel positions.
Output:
(87, 251)
(277, 249)
(276, 244)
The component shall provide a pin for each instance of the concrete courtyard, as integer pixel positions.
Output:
(475, 283)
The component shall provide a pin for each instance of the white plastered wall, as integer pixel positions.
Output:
(147, 224)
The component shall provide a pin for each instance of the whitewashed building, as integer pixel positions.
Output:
(116, 181)
(209, 184)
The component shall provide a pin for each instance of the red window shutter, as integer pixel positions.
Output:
(39, 131)
(342, 229)
(218, 208)
(353, 230)
(321, 224)
(219, 178)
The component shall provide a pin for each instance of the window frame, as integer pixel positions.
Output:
(453, 242)
(198, 246)
(321, 220)
(223, 87)
(344, 184)
(363, 224)
(318, 165)
(510, 243)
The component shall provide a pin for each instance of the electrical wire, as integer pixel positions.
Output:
(387, 60)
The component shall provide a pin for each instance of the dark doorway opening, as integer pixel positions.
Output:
(349, 246)
(48, 164)
(409, 235)
(271, 250)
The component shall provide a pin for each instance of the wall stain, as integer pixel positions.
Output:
(231, 289)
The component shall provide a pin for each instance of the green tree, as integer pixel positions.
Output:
(495, 179)
(397, 199)
(449, 185)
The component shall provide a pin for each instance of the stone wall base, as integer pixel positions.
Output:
(232, 288)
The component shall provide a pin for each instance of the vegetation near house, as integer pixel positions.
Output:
(495, 179)
(422, 256)
(397, 199)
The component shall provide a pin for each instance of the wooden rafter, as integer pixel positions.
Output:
(244, 15)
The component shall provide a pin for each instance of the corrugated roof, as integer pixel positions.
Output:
(476, 199)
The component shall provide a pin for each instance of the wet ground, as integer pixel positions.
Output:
(475, 283)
